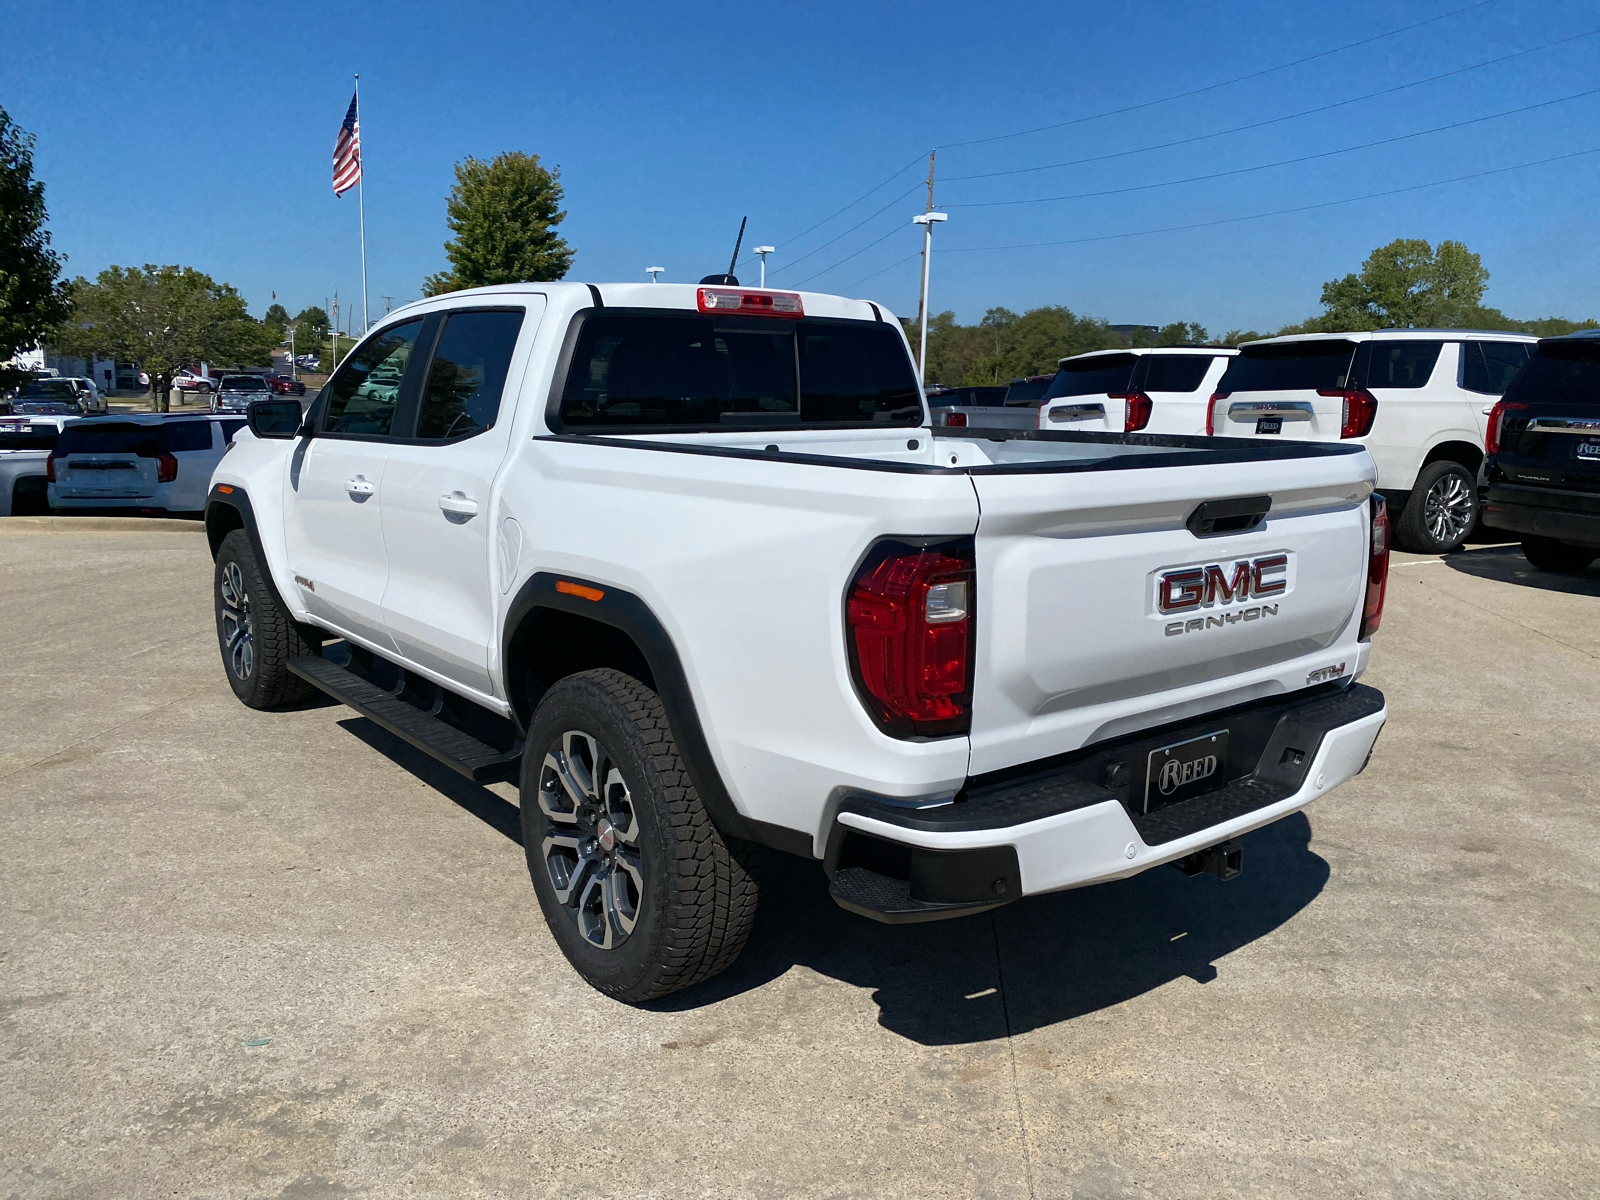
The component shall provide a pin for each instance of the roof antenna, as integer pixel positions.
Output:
(730, 279)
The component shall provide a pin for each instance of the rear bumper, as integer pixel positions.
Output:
(1544, 512)
(1076, 821)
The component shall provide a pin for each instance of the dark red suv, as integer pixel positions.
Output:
(284, 386)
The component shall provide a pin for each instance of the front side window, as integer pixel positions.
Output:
(468, 374)
(1402, 364)
(1489, 367)
(666, 371)
(365, 389)
(188, 435)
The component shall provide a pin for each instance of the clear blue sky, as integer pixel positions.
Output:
(201, 134)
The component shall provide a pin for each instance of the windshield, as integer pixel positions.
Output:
(1559, 373)
(49, 389)
(1322, 365)
(244, 383)
(1104, 374)
(649, 371)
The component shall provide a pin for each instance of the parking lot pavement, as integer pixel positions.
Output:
(253, 954)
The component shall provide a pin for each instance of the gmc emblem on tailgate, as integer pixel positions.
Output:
(1191, 588)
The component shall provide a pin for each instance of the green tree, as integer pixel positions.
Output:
(276, 319)
(32, 296)
(163, 318)
(1407, 283)
(504, 215)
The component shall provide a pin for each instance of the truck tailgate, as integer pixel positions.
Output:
(1073, 643)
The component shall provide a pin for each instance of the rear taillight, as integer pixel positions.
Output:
(910, 637)
(1211, 412)
(1377, 568)
(1138, 410)
(955, 420)
(1491, 437)
(166, 468)
(50, 469)
(751, 304)
(1360, 407)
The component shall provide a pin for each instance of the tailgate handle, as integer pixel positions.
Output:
(1216, 518)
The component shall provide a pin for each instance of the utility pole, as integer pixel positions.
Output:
(388, 304)
(763, 251)
(922, 303)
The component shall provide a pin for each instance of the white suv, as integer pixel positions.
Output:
(1156, 390)
(1418, 399)
(147, 461)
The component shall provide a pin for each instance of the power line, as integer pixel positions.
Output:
(852, 286)
(1077, 162)
(1211, 87)
(1282, 162)
(795, 262)
(845, 209)
(1417, 187)
(848, 257)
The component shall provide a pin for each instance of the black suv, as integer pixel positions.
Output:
(1542, 470)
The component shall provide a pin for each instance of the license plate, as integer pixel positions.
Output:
(1185, 769)
(1269, 425)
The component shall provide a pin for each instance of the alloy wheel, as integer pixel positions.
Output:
(591, 847)
(238, 642)
(1448, 509)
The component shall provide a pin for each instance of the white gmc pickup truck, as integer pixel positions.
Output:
(690, 565)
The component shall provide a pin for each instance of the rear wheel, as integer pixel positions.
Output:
(642, 893)
(1550, 555)
(1441, 511)
(255, 633)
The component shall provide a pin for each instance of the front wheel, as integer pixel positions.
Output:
(1441, 511)
(1550, 555)
(256, 635)
(642, 893)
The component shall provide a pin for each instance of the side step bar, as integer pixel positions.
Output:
(461, 752)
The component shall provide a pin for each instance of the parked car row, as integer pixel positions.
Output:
(1418, 400)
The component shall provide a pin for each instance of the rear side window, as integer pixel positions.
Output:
(1289, 367)
(365, 389)
(1402, 364)
(665, 371)
(111, 438)
(1489, 367)
(1559, 373)
(1102, 374)
(468, 374)
(188, 435)
(1175, 372)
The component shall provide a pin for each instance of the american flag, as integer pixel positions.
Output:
(347, 151)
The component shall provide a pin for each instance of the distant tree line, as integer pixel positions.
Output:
(1407, 283)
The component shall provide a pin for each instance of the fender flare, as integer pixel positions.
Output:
(236, 498)
(631, 615)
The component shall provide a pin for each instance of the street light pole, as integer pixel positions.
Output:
(654, 273)
(763, 251)
(926, 220)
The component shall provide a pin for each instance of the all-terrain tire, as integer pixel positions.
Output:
(1550, 555)
(255, 632)
(640, 890)
(1442, 510)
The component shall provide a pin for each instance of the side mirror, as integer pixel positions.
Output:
(274, 418)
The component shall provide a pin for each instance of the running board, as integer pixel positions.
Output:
(461, 752)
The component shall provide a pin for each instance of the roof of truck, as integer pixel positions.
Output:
(661, 295)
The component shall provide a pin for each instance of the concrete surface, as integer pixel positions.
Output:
(252, 954)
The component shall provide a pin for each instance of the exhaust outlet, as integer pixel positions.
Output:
(1225, 861)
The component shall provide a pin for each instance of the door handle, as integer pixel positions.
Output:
(458, 504)
(360, 486)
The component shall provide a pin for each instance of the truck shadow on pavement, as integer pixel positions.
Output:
(1035, 963)
(1031, 964)
(1505, 564)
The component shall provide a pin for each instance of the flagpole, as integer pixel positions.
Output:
(361, 200)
